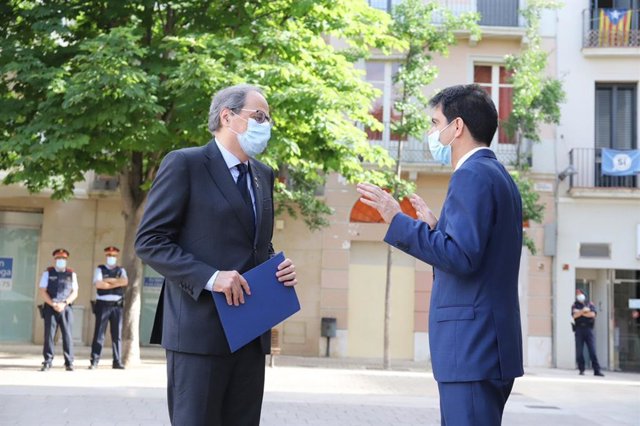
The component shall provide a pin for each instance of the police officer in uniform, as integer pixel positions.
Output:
(110, 281)
(58, 288)
(584, 314)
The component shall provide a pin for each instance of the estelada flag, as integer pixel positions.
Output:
(614, 27)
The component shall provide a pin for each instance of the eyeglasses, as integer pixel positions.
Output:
(260, 116)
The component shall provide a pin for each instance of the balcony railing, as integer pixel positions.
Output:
(611, 28)
(416, 152)
(494, 13)
(588, 165)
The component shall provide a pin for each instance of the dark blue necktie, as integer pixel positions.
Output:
(242, 185)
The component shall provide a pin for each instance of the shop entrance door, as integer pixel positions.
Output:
(626, 320)
(19, 237)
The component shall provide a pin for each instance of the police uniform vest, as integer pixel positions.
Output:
(111, 273)
(583, 321)
(60, 285)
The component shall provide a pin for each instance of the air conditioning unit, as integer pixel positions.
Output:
(105, 183)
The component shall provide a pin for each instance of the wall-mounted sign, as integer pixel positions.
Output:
(543, 187)
(6, 273)
(634, 303)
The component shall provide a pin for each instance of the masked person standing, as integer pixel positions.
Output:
(474, 247)
(110, 281)
(584, 314)
(208, 219)
(58, 288)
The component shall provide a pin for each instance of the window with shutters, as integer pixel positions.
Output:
(494, 79)
(615, 127)
(380, 74)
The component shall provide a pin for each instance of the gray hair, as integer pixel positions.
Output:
(232, 98)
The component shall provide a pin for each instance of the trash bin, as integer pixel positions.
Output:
(328, 327)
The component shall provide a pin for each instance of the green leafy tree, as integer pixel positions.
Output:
(532, 210)
(112, 86)
(414, 24)
(536, 96)
(536, 100)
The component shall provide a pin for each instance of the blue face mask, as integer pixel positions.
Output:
(253, 141)
(441, 153)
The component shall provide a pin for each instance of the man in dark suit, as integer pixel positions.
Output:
(474, 318)
(208, 219)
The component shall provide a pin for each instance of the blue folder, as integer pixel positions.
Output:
(270, 303)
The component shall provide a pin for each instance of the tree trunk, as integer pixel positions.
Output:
(133, 266)
(133, 200)
(518, 164)
(386, 361)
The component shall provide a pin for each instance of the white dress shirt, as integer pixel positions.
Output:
(469, 154)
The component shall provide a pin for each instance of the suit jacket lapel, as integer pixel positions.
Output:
(219, 172)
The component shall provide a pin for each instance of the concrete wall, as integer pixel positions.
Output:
(590, 221)
(300, 333)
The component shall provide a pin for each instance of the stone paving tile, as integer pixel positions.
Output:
(302, 391)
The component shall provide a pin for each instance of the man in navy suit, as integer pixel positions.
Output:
(474, 318)
(208, 219)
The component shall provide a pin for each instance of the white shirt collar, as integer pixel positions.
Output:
(469, 154)
(229, 158)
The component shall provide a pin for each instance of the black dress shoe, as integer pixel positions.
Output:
(582, 373)
(93, 366)
(45, 366)
(69, 367)
(118, 367)
(597, 373)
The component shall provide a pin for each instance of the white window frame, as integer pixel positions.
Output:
(495, 62)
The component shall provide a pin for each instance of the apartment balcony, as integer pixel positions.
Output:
(499, 18)
(611, 32)
(587, 178)
(493, 13)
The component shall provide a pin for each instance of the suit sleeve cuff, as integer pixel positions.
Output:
(396, 230)
(209, 285)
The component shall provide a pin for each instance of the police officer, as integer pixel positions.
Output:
(110, 281)
(584, 314)
(58, 288)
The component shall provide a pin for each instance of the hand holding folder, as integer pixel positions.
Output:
(270, 303)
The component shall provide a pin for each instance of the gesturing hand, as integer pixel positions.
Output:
(233, 285)
(286, 273)
(380, 200)
(422, 210)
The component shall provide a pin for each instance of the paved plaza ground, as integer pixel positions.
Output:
(298, 391)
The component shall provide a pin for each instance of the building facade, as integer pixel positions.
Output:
(342, 267)
(598, 226)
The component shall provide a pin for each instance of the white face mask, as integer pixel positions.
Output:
(581, 298)
(112, 260)
(61, 264)
(439, 151)
(253, 141)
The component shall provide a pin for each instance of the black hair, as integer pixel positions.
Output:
(474, 105)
